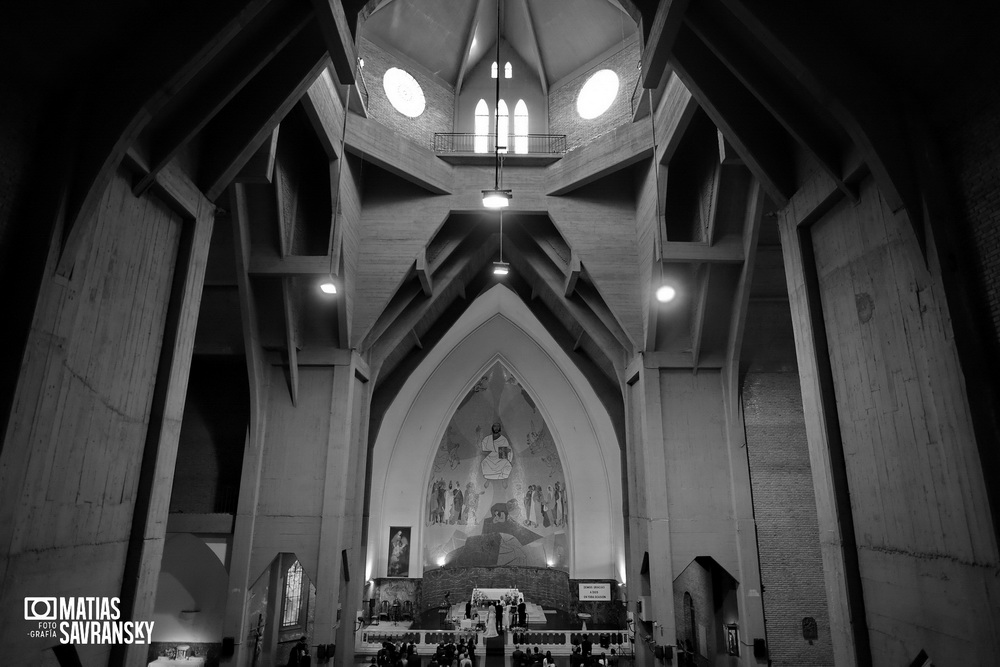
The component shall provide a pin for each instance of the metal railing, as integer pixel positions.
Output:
(369, 640)
(524, 144)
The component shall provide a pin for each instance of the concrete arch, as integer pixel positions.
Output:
(498, 326)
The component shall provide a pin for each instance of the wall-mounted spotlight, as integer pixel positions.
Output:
(328, 286)
(665, 294)
(501, 268)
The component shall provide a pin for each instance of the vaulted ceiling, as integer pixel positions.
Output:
(553, 37)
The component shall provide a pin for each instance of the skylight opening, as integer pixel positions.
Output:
(404, 92)
(597, 94)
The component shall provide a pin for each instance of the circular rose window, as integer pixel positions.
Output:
(597, 94)
(403, 92)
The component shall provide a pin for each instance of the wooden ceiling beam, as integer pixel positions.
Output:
(741, 301)
(527, 259)
(407, 294)
(573, 275)
(276, 266)
(589, 295)
(398, 155)
(863, 104)
(423, 274)
(291, 339)
(803, 126)
(286, 203)
(728, 250)
(259, 169)
(660, 41)
(336, 30)
(251, 115)
(753, 131)
(612, 152)
(122, 105)
(448, 285)
(672, 119)
(533, 33)
(699, 308)
(172, 185)
(326, 111)
(653, 310)
(208, 94)
(469, 37)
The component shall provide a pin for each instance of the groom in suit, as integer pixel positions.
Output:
(499, 614)
(522, 614)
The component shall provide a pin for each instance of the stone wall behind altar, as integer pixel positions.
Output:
(547, 587)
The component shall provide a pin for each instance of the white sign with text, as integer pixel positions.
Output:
(595, 592)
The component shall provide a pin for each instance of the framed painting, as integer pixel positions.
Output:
(399, 551)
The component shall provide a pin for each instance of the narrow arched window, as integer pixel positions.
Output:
(508, 71)
(293, 596)
(493, 70)
(690, 620)
(503, 127)
(520, 127)
(482, 127)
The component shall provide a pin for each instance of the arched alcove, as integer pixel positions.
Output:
(498, 328)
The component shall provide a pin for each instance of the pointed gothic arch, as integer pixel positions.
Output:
(498, 326)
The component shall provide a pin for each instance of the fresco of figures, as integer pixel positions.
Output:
(497, 493)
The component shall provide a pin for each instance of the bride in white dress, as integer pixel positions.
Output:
(491, 623)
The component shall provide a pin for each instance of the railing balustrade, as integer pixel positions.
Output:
(523, 144)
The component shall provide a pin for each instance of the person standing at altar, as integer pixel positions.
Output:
(499, 615)
(491, 623)
(522, 614)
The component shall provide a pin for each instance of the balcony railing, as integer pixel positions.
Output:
(525, 144)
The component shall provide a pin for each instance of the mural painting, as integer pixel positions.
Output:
(497, 492)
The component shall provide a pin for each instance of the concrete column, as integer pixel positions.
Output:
(817, 402)
(649, 521)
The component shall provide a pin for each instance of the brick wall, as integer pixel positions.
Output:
(563, 117)
(523, 85)
(697, 581)
(969, 127)
(438, 115)
(547, 587)
(785, 510)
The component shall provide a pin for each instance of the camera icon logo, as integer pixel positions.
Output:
(40, 609)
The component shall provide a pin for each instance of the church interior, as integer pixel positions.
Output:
(677, 320)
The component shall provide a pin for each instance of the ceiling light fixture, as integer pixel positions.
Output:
(497, 197)
(501, 268)
(665, 294)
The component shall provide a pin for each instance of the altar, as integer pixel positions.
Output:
(481, 596)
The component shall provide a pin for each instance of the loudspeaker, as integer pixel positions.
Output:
(658, 652)
(759, 648)
(228, 647)
(345, 564)
(668, 653)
